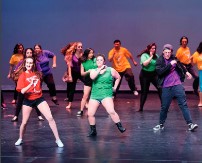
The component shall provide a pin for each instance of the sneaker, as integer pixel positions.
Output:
(158, 127)
(79, 113)
(136, 93)
(14, 119)
(59, 143)
(19, 142)
(55, 101)
(40, 118)
(3, 105)
(192, 127)
(13, 102)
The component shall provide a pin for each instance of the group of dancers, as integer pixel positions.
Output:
(101, 83)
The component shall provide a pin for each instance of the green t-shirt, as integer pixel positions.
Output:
(151, 66)
(102, 85)
(89, 64)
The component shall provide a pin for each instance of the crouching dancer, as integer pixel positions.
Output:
(102, 92)
(171, 74)
(29, 84)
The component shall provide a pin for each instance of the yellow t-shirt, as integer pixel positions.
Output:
(16, 58)
(120, 62)
(197, 59)
(183, 55)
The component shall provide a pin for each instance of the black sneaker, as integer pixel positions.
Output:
(79, 113)
(55, 102)
(192, 127)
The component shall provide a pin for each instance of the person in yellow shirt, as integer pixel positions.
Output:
(197, 59)
(119, 58)
(183, 54)
(14, 60)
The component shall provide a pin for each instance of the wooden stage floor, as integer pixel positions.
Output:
(139, 144)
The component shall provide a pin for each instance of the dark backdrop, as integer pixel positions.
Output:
(137, 23)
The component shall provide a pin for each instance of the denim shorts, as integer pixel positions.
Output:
(33, 103)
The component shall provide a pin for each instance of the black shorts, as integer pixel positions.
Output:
(33, 103)
(88, 81)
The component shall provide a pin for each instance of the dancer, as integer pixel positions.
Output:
(14, 60)
(197, 59)
(118, 56)
(183, 54)
(29, 84)
(72, 52)
(43, 58)
(88, 63)
(171, 74)
(102, 92)
(29, 52)
(148, 72)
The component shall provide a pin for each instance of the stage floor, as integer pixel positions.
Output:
(139, 144)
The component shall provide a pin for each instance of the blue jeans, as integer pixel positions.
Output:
(167, 96)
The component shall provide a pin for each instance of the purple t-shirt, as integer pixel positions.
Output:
(44, 61)
(172, 78)
(76, 64)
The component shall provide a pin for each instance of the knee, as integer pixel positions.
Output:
(112, 113)
(90, 114)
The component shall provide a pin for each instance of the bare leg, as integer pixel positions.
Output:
(45, 110)
(26, 111)
(93, 105)
(109, 106)
(86, 93)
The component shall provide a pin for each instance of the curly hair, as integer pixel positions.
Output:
(68, 51)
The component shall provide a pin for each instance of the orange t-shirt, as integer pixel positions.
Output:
(183, 55)
(120, 62)
(197, 59)
(16, 58)
(35, 90)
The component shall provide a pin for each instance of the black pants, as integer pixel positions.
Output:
(48, 79)
(146, 78)
(129, 78)
(71, 86)
(190, 69)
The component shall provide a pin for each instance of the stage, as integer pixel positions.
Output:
(139, 144)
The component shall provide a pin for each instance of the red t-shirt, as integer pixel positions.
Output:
(35, 90)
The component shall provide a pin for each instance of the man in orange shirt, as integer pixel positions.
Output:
(183, 54)
(119, 58)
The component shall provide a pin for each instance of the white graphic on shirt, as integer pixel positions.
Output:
(35, 81)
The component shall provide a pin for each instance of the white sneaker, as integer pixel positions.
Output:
(19, 142)
(158, 127)
(136, 93)
(192, 127)
(59, 143)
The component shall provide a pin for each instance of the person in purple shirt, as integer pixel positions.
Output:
(29, 52)
(43, 57)
(72, 52)
(171, 74)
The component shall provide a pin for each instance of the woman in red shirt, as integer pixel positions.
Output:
(29, 84)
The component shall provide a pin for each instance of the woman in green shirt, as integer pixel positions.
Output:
(87, 63)
(102, 92)
(148, 74)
